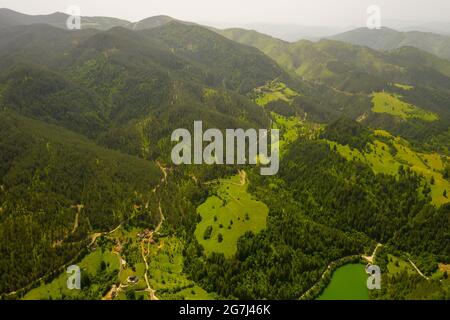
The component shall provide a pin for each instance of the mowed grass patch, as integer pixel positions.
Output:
(392, 104)
(382, 158)
(227, 215)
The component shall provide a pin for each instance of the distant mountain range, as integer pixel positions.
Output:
(86, 118)
(58, 19)
(294, 33)
(9, 18)
(345, 66)
(389, 39)
(384, 39)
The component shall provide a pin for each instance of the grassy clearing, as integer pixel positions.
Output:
(392, 104)
(230, 212)
(294, 127)
(166, 266)
(387, 159)
(209, 93)
(90, 266)
(397, 265)
(274, 91)
(166, 272)
(129, 250)
(403, 86)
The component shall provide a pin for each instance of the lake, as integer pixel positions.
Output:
(348, 282)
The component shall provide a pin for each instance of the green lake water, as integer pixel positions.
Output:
(348, 282)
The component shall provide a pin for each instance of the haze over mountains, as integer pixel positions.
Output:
(384, 39)
(86, 118)
(388, 39)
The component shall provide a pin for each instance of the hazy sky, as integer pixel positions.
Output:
(242, 12)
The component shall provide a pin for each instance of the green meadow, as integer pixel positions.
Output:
(397, 265)
(392, 104)
(274, 91)
(381, 158)
(90, 267)
(403, 86)
(166, 275)
(227, 215)
(291, 128)
(165, 268)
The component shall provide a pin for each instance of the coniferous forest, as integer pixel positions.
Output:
(86, 176)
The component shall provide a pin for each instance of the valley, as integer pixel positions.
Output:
(87, 177)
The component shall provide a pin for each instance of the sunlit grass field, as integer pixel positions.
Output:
(392, 104)
(381, 160)
(57, 288)
(231, 213)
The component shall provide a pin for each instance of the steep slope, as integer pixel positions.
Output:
(242, 67)
(129, 89)
(38, 44)
(57, 187)
(357, 72)
(46, 95)
(347, 67)
(132, 83)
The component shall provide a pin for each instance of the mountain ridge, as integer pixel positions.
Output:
(388, 39)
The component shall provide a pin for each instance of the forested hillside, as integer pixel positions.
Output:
(56, 189)
(86, 118)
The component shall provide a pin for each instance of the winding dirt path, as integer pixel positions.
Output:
(418, 270)
(164, 171)
(79, 207)
(150, 290)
